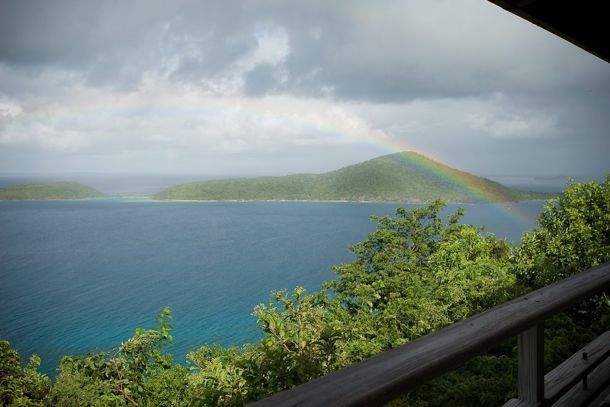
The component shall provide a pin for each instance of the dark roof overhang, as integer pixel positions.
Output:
(584, 23)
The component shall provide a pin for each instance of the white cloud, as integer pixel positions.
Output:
(9, 109)
(164, 116)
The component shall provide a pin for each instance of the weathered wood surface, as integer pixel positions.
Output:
(598, 379)
(531, 364)
(519, 403)
(559, 380)
(384, 377)
(602, 399)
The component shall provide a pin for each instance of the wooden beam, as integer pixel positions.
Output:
(518, 403)
(531, 365)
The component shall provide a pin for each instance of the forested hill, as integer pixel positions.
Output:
(48, 190)
(405, 176)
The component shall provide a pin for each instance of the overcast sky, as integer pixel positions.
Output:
(273, 87)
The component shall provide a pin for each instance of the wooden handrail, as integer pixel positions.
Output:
(384, 377)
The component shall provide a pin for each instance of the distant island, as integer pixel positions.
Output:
(49, 190)
(404, 176)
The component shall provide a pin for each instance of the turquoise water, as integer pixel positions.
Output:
(79, 276)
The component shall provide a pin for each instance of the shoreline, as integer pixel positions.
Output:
(150, 199)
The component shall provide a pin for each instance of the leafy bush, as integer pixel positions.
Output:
(134, 372)
(21, 386)
(574, 236)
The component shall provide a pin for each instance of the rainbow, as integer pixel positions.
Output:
(327, 118)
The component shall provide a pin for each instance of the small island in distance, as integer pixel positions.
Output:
(49, 190)
(400, 177)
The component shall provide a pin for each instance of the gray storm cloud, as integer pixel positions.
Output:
(247, 87)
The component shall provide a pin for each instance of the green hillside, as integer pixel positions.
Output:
(405, 176)
(48, 190)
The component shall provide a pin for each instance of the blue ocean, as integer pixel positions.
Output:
(80, 276)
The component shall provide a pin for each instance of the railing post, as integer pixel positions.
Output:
(531, 364)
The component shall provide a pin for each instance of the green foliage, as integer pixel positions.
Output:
(48, 190)
(405, 176)
(134, 373)
(574, 236)
(218, 378)
(21, 386)
(414, 274)
(300, 338)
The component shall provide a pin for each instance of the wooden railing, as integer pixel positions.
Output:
(384, 377)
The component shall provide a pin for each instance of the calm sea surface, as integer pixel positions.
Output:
(80, 276)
